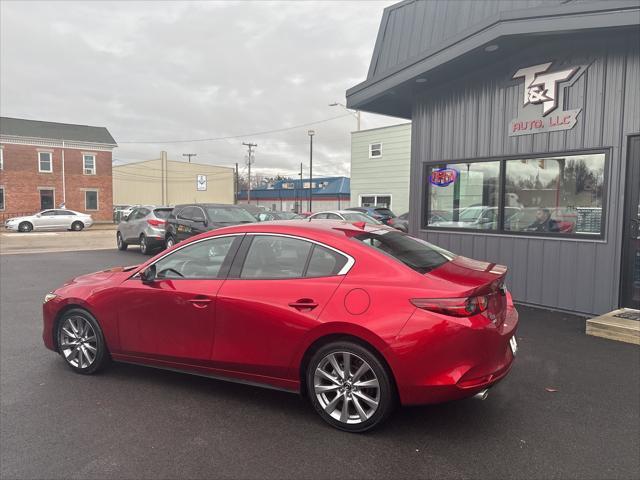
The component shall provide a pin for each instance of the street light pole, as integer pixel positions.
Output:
(355, 113)
(311, 134)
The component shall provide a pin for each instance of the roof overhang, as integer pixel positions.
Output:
(391, 93)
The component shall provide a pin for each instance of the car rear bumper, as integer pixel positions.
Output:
(438, 359)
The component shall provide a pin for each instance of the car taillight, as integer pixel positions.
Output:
(455, 307)
(156, 223)
(391, 222)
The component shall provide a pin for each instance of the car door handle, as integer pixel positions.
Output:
(200, 302)
(304, 304)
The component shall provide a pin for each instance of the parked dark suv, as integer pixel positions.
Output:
(382, 214)
(188, 220)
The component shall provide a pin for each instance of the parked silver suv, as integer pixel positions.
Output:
(144, 226)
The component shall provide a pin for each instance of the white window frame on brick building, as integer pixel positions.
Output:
(40, 169)
(1, 157)
(94, 190)
(85, 169)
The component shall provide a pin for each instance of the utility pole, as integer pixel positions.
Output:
(250, 146)
(235, 190)
(189, 155)
(301, 191)
(311, 134)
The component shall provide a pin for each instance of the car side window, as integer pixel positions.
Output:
(333, 216)
(324, 262)
(319, 216)
(200, 260)
(141, 213)
(65, 212)
(272, 257)
(186, 213)
(48, 213)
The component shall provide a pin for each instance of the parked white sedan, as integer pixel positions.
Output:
(54, 219)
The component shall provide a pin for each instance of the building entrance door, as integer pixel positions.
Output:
(46, 199)
(630, 293)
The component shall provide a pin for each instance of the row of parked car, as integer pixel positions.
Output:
(155, 227)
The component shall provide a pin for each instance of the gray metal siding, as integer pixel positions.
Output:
(410, 28)
(469, 119)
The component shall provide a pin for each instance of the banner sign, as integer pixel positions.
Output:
(443, 177)
(541, 88)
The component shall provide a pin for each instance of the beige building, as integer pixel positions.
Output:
(168, 182)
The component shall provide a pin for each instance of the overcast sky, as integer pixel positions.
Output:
(179, 70)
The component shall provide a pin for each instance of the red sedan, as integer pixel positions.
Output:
(356, 317)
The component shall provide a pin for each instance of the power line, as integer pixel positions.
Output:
(231, 137)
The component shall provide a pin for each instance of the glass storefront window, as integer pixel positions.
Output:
(464, 195)
(561, 195)
(555, 195)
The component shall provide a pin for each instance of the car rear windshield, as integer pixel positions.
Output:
(162, 213)
(229, 215)
(416, 254)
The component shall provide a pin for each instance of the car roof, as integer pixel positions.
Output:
(226, 205)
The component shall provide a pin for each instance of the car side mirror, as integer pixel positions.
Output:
(38, 215)
(148, 275)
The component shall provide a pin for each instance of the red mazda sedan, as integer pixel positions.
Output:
(356, 317)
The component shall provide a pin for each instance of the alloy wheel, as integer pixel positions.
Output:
(119, 240)
(143, 244)
(346, 387)
(78, 342)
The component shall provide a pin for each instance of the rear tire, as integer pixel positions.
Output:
(77, 226)
(349, 386)
(122, 245)
(81, 342)
(25, 227)
(144, 246)
(170, 241)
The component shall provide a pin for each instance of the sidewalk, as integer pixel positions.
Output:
(98, 237)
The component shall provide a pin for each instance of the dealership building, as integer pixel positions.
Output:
(525, 138)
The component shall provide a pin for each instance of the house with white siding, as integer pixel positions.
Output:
(380, 166)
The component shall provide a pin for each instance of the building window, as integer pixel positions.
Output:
(89, 164)
(375, 150)
(375, 201)
(47, 198)
(561, 195)
(1, 158)
(556, 195)
(1, 198)
(45, 162)
(91, 200)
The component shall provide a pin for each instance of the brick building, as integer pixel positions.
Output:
(45, 164)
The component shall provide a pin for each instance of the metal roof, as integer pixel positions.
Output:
(334, 186)
(430, 39)
(19, 127)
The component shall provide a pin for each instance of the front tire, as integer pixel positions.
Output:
(122, 245)
(81, 343)
(349, 386)
(25, 227)
(77, 226)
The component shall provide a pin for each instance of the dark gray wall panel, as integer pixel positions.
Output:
(468, 118)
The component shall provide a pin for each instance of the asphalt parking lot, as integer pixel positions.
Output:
(136, 422)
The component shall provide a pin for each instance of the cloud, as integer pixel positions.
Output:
(171, 71)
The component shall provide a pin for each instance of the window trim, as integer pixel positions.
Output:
(376, 195)
(4, 198)
(371, 156)
(84, 166)
(85, 190)
(241, 256)
(40, 152)
(500, 231)
(1, 157)
(233, 252)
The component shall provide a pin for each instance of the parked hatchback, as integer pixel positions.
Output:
(144, 226)
(188, 220)
(382, 214)
(54, 219)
